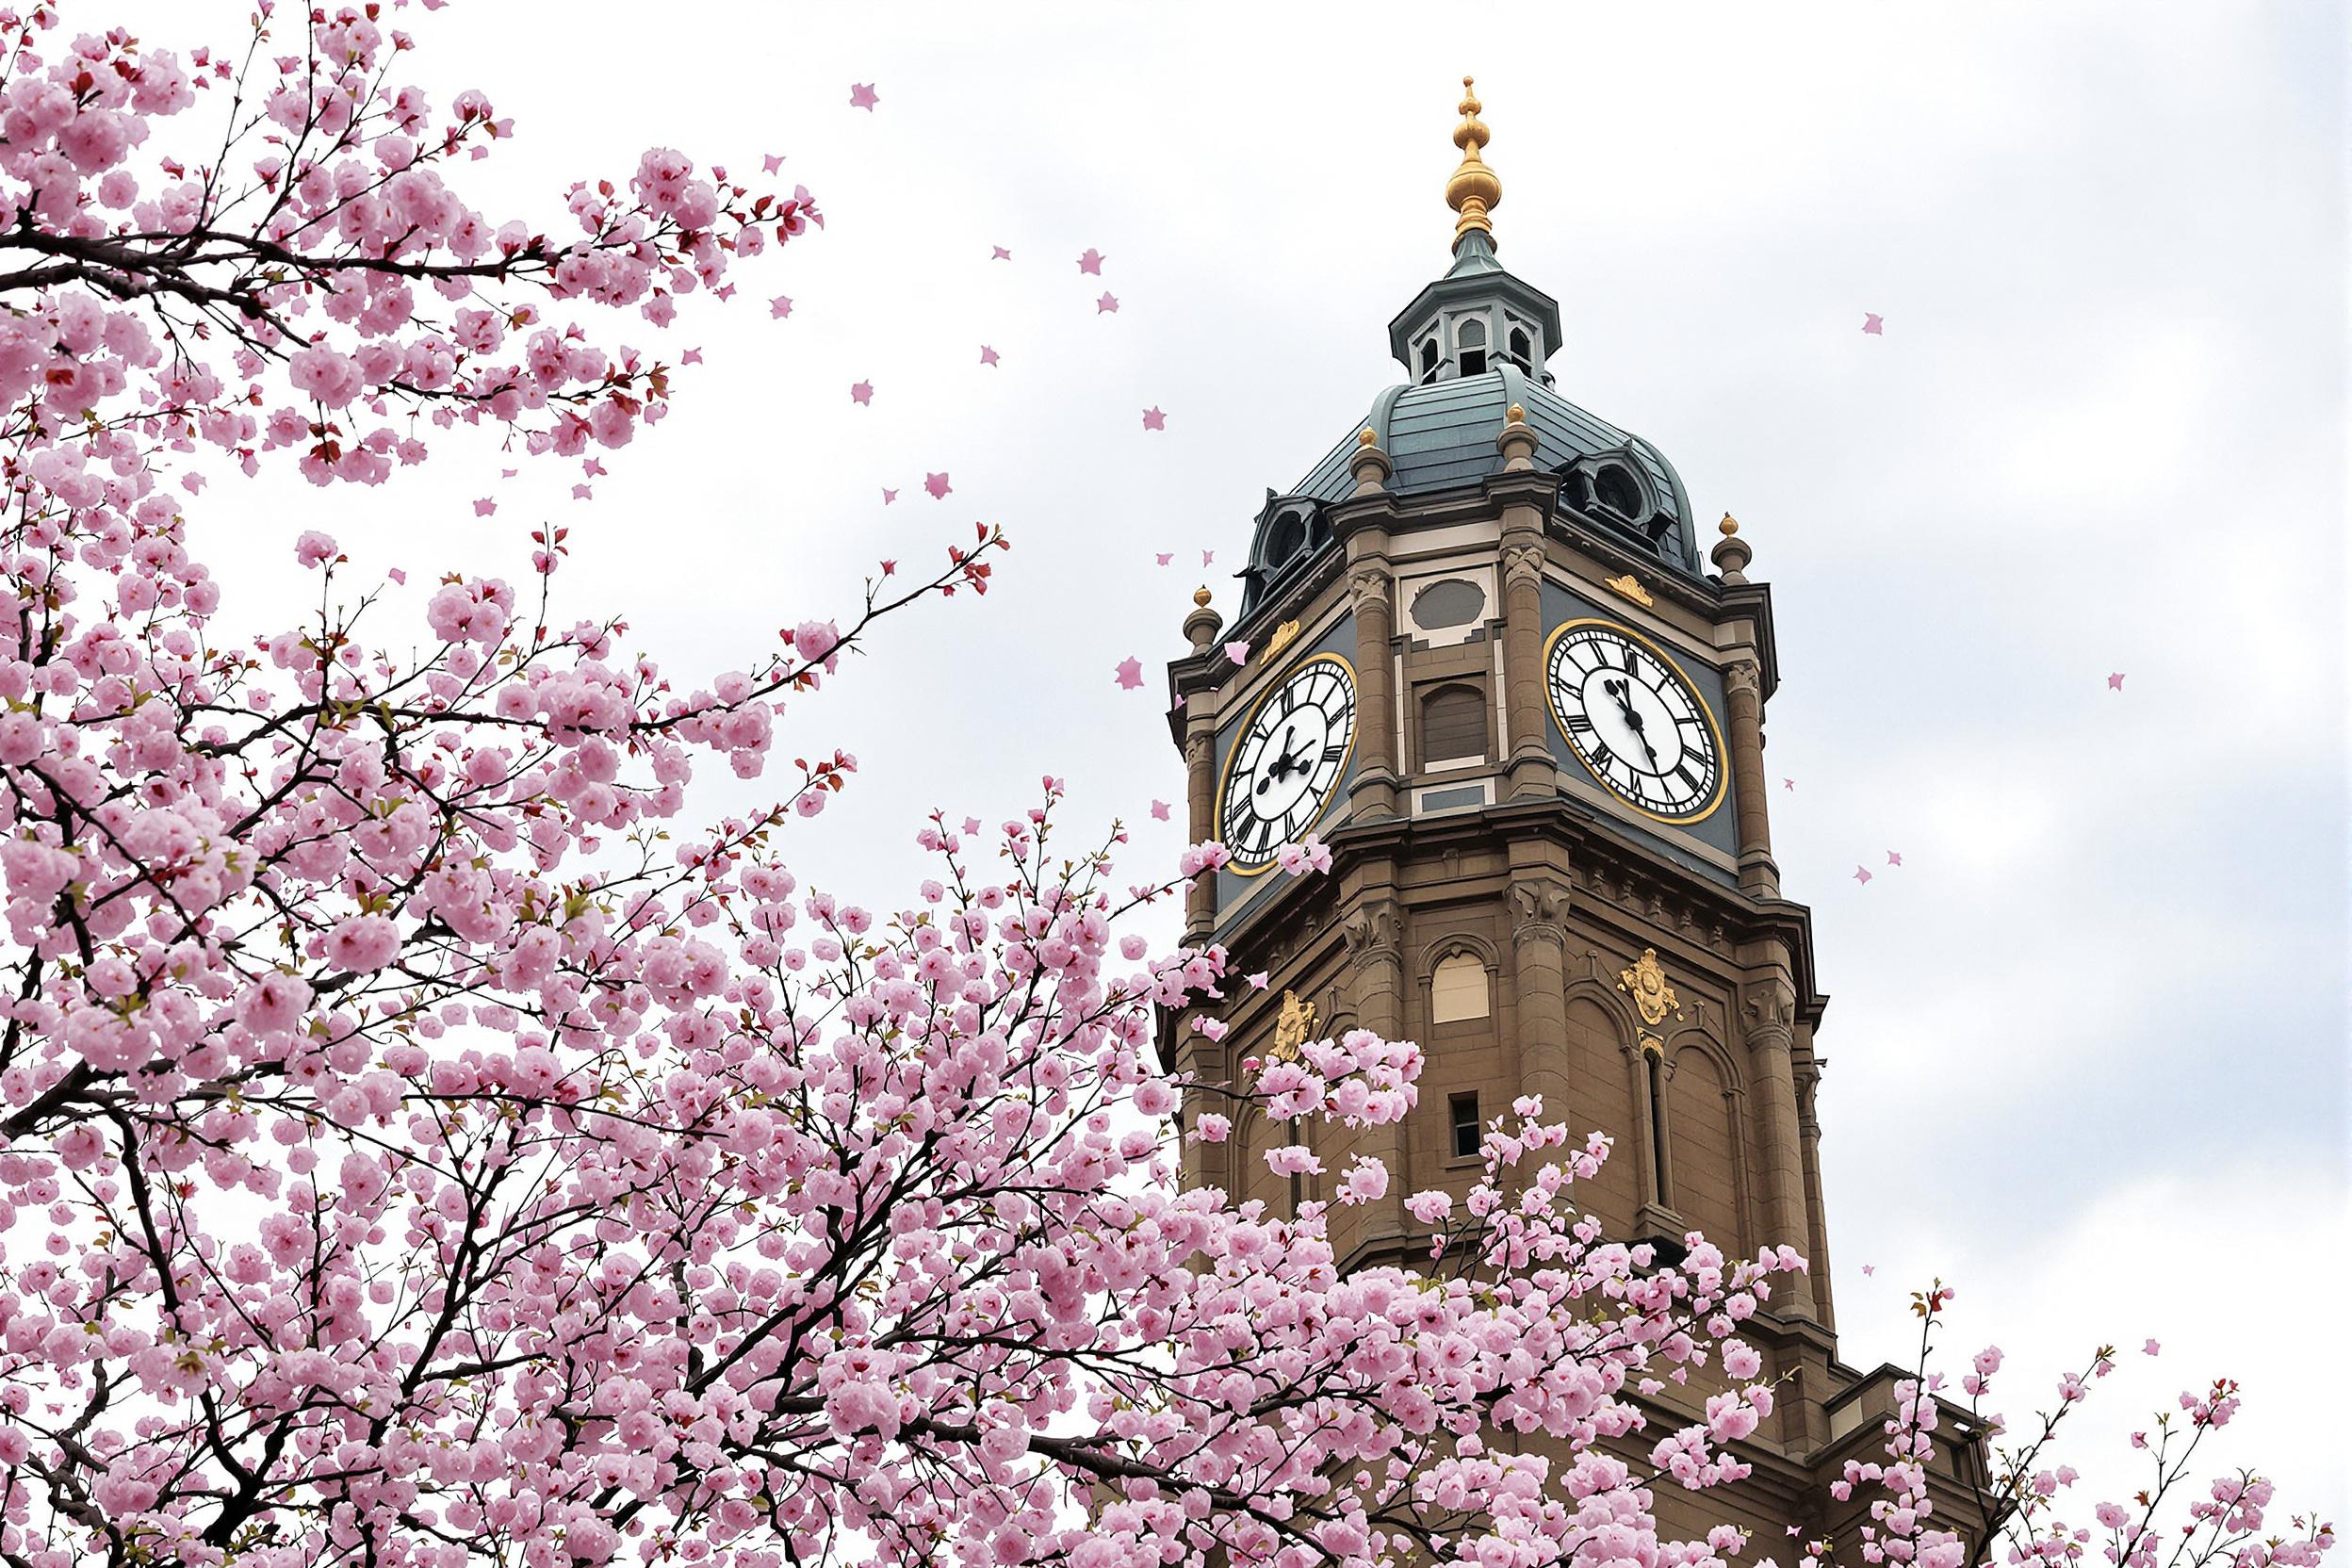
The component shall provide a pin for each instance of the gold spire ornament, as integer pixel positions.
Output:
(1474, 190)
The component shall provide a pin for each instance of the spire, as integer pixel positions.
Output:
(1474, 190)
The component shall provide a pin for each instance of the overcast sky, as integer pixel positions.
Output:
(2087, 1044)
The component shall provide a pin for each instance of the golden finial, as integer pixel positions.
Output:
(1200, 595)
(1474, 190)
(1367, 438)
(1729, 526)
(1514, 414)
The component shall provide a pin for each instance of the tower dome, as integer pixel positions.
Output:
(1473, 343)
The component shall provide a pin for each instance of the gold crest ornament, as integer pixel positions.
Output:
(1630, 586)
(1284, 636)
(1292, 1028)
(1645, 982)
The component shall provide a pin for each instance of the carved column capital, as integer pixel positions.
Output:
(1769, 1007)
(1742, 677)
(1373, 929)
(1199, 745)
(1523, 561)
(1539, 910)
(1367, 588)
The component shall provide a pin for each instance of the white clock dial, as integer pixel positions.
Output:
(1285, 765)
(1634, 722)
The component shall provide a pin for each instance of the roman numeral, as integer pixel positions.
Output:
(1682, 771)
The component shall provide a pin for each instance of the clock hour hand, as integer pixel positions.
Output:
(1282, 765)
(1617, 689)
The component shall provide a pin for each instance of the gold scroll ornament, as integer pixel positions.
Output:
(1645, 982)
(1292, 1028)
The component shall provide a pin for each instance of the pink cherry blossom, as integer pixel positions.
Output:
(440, 1131)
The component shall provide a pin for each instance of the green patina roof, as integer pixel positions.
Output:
(1441, 436)
(1439, 433)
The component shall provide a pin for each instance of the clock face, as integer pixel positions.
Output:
(1634, 721)
(1286, 763)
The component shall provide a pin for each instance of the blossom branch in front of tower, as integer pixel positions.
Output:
(2019, 1520)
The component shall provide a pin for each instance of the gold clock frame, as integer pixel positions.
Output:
(1690, 689)
(1225, 769)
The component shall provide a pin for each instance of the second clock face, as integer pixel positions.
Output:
(1634, 722)
(1286, 763)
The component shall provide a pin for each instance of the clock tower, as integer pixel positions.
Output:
(1490, 666)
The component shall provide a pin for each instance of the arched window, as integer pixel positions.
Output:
(1429, 359)
(1453, 726)
(1470, 338)
(1521, 349)
(1457, 990)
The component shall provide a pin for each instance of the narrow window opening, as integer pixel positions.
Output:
(1661, 1174)
(1467, 1133)
(1521, 349)
(1429, 359)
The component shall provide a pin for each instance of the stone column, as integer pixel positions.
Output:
(1200, 629)
(1540, 993)
(1530, 771)
(1374, 792)
(1770, 1004)
(1759, 877)
(1809, 1072)
(1374, 931)
(1200, 789)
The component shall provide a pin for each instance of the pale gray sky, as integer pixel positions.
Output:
(2094, 1026)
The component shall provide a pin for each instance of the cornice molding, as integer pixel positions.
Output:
(1609, 873)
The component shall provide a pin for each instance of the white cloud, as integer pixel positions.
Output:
(2231, 1262)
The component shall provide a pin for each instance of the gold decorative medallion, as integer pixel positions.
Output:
(1283, 635)
(1292, 1028)
(1645, 982)
(1631, 587)
(1652, 1046)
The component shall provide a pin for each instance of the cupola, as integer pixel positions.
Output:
(1476, 318)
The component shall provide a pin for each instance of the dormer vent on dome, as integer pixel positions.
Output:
(1291, 530)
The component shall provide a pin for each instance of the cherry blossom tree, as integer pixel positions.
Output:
(422, 1145)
